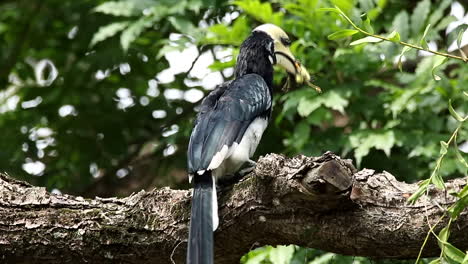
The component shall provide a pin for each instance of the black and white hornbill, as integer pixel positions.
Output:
(229, 127)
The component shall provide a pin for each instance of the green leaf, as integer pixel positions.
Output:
(421, 190)
(422, 40)
(439, 12)
(366, 5)
(443, 236)
(182, 25)
(454, 253)
(366, 22)
(365, 141)
(401, 24)
(262, 11)
(454, 113)
(256, 256)
(435, 261)
(281, 254)
(439, 61)
(307, 106)
(394, 36)
(445, 22)
(465, 260)
(134, 30)
(464, 192)
(328, 9)
(461, 31)
(120, 8)
(330, 99)
(443, 147)
(403, 51)
(459, 156)
(108, 31)
(335, 101)
(437, 180)
(458, 207)
(367, 39)
(342, 33)
(419, 16)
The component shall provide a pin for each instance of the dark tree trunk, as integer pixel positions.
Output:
(320, 202)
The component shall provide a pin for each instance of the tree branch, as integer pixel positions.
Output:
(320, 202)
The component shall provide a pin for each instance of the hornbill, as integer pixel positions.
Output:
(229, 127)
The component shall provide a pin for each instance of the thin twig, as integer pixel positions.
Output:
(427, 238)
(173, 251)
(400, 42)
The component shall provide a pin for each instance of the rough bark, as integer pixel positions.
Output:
(320, 202)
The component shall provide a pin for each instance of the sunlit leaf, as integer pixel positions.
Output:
(394, 36)
(367, 39)
(400, 57)
(465, 260)
(422, 40)
(401, 24)
(464, 192)
(134, 30)
(421, 190)
(454, 253)
(439, 61)
(459, 39)
(443, 236)
(419, 16)
(364, 142)
(367, 24)
(342, 34)
(454, 113)
(256, 256)
(459, 155)
(262, 11)
(458, 207)
(438, 13)
(281, 254)
(120, 8)
(328, 9)
(108, 31)
(443, 147)
(183, 25)
(438, 181)
(330, 99)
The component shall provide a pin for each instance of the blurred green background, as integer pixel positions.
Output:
(99, 97)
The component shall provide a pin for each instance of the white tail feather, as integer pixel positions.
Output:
(214, 206)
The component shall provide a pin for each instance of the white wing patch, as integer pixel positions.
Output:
(249, 141)
(219, 158)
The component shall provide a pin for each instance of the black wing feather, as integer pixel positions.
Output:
(225, 115)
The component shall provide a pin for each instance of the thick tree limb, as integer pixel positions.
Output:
(314, 202)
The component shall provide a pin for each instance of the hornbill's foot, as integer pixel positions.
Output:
(228, 180)
(248, 168)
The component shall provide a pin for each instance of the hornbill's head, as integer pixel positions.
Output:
(283, 56)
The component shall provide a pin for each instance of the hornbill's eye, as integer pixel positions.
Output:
(286, 42)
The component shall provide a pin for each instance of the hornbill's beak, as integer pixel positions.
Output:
(297, 73)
